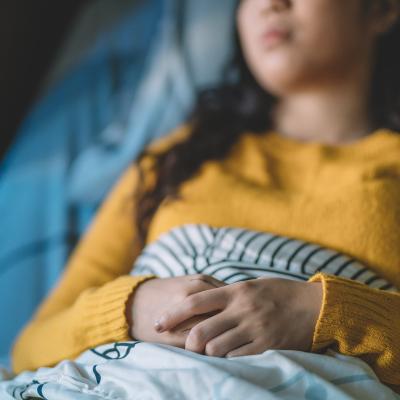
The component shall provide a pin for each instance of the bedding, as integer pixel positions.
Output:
(140, 370)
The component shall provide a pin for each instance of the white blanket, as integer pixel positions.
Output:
(144, 371)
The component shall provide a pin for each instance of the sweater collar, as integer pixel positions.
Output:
(367, 146)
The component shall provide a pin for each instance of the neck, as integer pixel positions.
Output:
(331, 115)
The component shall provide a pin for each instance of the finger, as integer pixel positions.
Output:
(203, 282)
(247, 349)
(195, 304)
(227, 341)
(215, 282)
(186, 326)
(204, 331)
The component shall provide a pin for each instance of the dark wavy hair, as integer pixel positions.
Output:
(239, 104)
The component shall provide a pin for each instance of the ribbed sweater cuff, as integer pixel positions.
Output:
(102, 316)
(357, 320)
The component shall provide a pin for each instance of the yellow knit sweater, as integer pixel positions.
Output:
(343, 197)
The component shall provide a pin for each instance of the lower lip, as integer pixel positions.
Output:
(272, 39)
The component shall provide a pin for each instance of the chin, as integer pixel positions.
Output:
(281, 76)
(281, 84)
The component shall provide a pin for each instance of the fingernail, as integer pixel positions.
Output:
(158, 326)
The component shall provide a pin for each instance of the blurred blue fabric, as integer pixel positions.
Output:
(137, 83)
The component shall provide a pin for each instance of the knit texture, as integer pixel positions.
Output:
(359, 321)
(97, 317)
(344, 197)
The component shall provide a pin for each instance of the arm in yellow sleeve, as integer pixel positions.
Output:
(359, 321)
(87, 306)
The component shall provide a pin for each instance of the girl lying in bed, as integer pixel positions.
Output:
(298, 147)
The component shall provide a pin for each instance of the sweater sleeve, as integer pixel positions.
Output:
(87, 306)
(356, 320)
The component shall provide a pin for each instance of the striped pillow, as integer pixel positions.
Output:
(237, 254)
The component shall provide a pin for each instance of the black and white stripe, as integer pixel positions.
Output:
(237, 254)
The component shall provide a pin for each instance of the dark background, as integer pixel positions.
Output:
(30, 34)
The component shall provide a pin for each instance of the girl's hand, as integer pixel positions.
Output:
(156, 295)
(251, 317)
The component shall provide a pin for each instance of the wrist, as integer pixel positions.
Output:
(315, 290)
(129, 304)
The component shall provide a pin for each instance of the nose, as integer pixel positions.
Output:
(275, 5)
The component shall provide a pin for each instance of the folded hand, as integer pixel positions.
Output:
(250, 317)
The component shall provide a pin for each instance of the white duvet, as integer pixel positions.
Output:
(144, 371)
